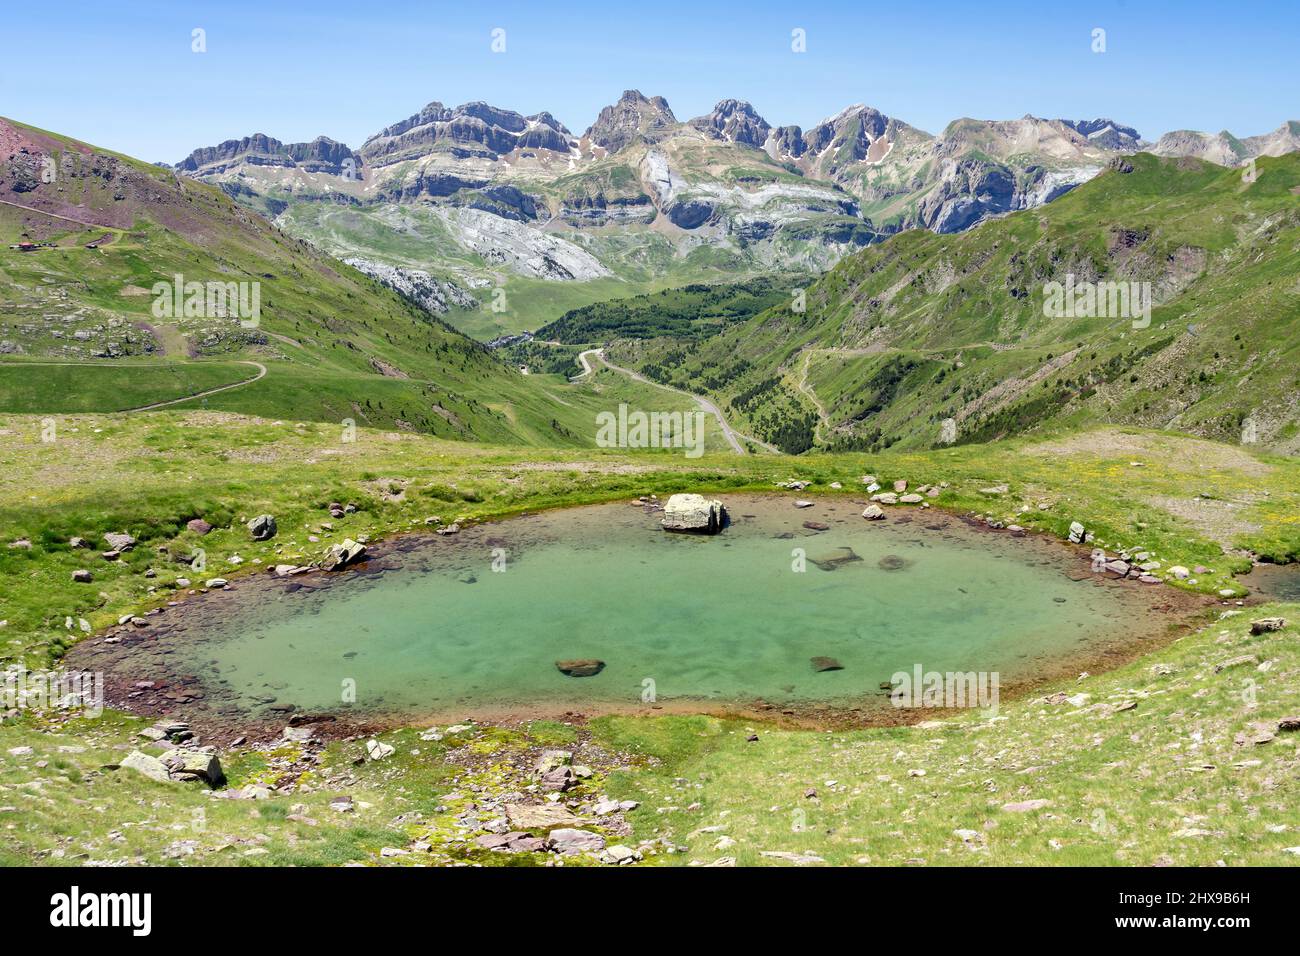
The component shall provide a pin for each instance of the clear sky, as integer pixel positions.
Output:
(122, 74)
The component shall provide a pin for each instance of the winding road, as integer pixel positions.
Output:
(733, 437)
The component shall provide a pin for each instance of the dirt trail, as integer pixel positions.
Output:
(733, 437)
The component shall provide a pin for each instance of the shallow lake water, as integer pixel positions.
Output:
(429, 627)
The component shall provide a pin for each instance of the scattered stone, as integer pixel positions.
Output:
(1266, 624)
(194, 765)
(874, 513)
(911, 499)
(540, 816)
(453, 528)
(1025, 806)
(118, 541)
(1235, 662)
(1077, 533)
(688, 512)
(816, 526)
(900, 486)
(885, 498)
(798, 859)
(198, 526)
(217, 583)
(803, 503)
(1289, 724)
(995, 490)
(583, 667)
(262, 528)
(341, 555)
(151, 767)
(82, 576)
(1180, 572)
(378, 750)
(568, 840)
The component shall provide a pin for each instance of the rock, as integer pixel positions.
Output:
(1235, 662)
(1266, 624)
(119, 541)
(816, 526)
(900, 486)
(22, 544)
(885, 498)
(550, 759)
(836, 485)
(569, 840)
(874, 513)
(836, 559)
(995, 490)
(687, 512)
(1025, 806)
(217, 583)
(82, 576)
(341, 555)
(891, 562)
(342, 804)
(559, 779)
(1289, 724)
(151, 767)
(378, 750)
(1180, 572)
(198, 526)
(262, 528)
(618, 854)
(1077, 533)
(820, 664)
(798, 859)
(194, 765)
(453, 528)
(78, 543)
(911, 499)
(524, 816)
(803, 503)
(583, 667)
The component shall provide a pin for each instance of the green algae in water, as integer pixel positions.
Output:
(724, 619)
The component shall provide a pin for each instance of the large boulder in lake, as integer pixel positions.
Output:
(694, 513)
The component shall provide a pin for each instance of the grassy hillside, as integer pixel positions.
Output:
(336, 344)
(925, 327)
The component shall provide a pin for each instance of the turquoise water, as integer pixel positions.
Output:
(718, 619)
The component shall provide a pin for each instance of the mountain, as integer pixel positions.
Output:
(143, 285)
(478, 197)
(1227, 150)
(926, 328)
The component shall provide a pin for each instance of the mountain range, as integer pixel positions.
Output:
(480, 196)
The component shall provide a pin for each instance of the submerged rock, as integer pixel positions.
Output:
(838, 557)
(892, 562)
(582, 667)
(693, 513)
(820, 664)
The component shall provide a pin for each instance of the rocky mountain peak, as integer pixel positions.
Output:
(1106, 133)
(735, 121)
(633, 116)
(474, 129)
(320, 155)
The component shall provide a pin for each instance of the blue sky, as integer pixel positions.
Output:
(122, 74)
